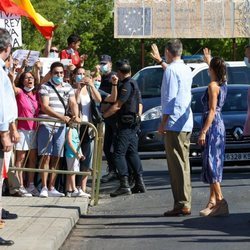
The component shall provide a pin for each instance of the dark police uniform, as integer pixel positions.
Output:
(126, 140)
(110, 130)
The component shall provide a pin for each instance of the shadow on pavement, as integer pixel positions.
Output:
(234, 228)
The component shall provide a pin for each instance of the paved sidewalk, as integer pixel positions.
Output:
(42, 223)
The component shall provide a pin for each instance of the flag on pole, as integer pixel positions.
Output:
(25, 8)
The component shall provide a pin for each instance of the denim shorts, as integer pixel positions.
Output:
(51, 140)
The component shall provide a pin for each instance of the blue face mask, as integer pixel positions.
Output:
(57, 79)
(53, 55)
(104, 68)
(97, 84)
(78, 78)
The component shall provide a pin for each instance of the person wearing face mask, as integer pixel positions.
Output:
(97, 80)
(50, 50)
(77, 78)
(125, 144)
(53, 52)
(28, 106)
(54, 97)
(71, 52)
(83, 97)
(106, 86)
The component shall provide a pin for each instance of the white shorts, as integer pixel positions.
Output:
(73, 164)
(27, 141)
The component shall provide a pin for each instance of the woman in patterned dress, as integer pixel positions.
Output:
(212, 136)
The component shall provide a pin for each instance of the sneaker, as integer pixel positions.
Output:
(68, 194)
(32, 189)
(54, 193)
(109, 177)
(75, 193)
(44, 192)
(6, 215)
(24, 192)
(83, 194)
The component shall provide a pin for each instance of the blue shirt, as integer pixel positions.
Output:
(75, 141)
(8, 106)
(176, 97)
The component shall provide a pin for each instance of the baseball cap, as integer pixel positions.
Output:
(105, 59)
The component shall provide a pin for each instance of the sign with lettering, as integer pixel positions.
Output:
(46, 63)
(31, 55)
(182, 18)
(12, 23)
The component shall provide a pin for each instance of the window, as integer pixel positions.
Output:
(149, 82)
(201, 79)
(238, 75)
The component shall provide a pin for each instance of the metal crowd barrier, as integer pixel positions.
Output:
(96, 161)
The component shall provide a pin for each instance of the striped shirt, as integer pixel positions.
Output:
(66, 91)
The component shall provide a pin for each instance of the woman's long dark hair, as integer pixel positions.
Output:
(218, 65)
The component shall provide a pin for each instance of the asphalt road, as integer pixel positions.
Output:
(136, 221)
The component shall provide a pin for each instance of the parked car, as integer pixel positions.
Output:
(149, 80)
(234, 114)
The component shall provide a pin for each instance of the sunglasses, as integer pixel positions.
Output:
(54, 50)
(57, 72)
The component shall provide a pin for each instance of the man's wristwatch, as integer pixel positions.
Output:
(160, 63)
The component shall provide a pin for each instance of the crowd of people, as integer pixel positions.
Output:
(65, 93)
(62, 99)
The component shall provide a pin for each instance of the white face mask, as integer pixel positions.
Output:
(27, 89)
(247, 61)
(71, 51)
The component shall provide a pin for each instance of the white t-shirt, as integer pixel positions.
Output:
(85, 107)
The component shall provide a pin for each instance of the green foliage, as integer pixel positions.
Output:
(93, 20)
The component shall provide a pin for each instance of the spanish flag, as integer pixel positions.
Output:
(25, 8)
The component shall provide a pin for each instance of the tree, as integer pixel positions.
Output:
(93, 20)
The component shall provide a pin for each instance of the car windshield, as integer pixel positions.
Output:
(236, 100)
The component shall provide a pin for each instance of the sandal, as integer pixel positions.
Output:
(2, 224)
(206, 211)
(211, 204)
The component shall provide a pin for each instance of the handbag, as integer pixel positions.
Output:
(96, 115)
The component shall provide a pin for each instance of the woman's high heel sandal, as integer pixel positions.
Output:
(206, 211)
(2, 224)
(220, 209)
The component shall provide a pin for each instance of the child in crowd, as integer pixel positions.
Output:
(73, 155)
(71, 52)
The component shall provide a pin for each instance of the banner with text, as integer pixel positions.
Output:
(182, 18)
(12, 23)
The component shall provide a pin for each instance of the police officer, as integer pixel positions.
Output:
(107, 86)
(126, 142)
